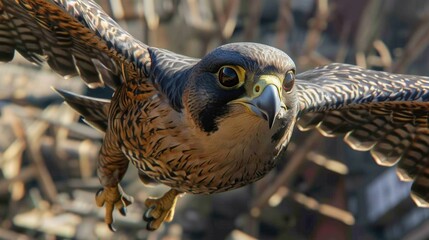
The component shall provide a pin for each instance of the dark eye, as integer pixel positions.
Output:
(228, 77)
(289, 81)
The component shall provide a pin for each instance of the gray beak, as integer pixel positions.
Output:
(267, 105)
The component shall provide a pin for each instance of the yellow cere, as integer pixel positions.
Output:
(265, 80)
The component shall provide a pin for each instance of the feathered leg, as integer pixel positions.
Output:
(112, 165)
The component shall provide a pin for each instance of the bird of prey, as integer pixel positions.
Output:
(213, 124)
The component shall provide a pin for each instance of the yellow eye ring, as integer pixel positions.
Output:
(231, 77)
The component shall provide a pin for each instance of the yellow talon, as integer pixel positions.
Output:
(111, 198)
(160, 209)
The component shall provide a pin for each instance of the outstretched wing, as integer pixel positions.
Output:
(386, 114)
(75, 37)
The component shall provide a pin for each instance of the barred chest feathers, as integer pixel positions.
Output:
(184, 157)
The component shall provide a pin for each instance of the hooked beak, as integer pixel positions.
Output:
(267, 105)
(265, 101)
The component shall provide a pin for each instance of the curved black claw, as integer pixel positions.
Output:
(149, 226)
(111, 198)
(111, 227)
(160, 210)
(123, 211)
(147, 216)
(99, 192)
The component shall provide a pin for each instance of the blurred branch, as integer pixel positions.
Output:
(316, 26)
(195, 18)
(313, 204)
(11, 158)
(369, 29)
(284, 177)
(385, 58)
(329, 164)
(226, 15)
(343, 45)
(24, 175)
(7, 234)
(383, 50)
(150, 14)
(252, 22)
(418, 42)
(35, 131)
(118, 10)
(284, 23)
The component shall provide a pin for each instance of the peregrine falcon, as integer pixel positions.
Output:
(213, 124)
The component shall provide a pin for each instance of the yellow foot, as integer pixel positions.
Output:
(111, 198)
(160, 209)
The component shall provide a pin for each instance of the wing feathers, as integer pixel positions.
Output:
(74, 37)
(15, 34)
(94, 110)
(390, 149)
(386, 114)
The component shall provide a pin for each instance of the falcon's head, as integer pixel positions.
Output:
(238, 104)
(251, 82)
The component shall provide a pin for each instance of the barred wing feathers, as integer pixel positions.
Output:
(75, 37)
(386, 114)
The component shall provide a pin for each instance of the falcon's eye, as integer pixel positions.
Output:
(231, 76)
(289, 81)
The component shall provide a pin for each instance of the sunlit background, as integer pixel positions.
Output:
(322, 190)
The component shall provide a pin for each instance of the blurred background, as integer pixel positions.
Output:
(322, 190)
